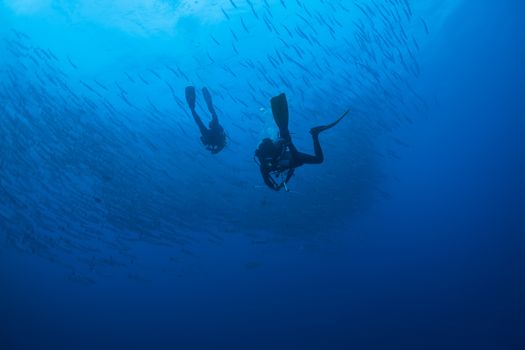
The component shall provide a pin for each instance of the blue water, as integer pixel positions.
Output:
(118, 230)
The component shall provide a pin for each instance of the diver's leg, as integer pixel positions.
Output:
(203, 129)
(303, 158)
(280, 115)
(209, 103)
(318, 158)
(190, 98)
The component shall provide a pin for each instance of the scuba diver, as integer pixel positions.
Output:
(280, 156)
(213, 137)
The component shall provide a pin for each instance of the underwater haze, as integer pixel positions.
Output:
(119, 230)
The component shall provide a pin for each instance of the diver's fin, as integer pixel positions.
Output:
(207, 98)
(280, 113)
(190, 96)
(316, 130)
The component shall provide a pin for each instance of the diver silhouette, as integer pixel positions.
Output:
(213, 137)
(280, 156)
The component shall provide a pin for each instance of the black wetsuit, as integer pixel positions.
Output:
(290, 159)
(214, 137)
(287, 157)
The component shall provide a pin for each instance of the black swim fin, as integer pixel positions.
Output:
(280, 114)
(190, 96)
(207, 98)
(316, 130)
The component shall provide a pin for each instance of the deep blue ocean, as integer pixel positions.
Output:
(119, 230)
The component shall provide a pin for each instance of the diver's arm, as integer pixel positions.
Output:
(289, 175)
(268, 180)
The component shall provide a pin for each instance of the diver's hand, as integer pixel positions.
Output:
(282, 185)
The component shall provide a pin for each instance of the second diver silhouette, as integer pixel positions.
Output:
(213, 137)
(277, 157)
